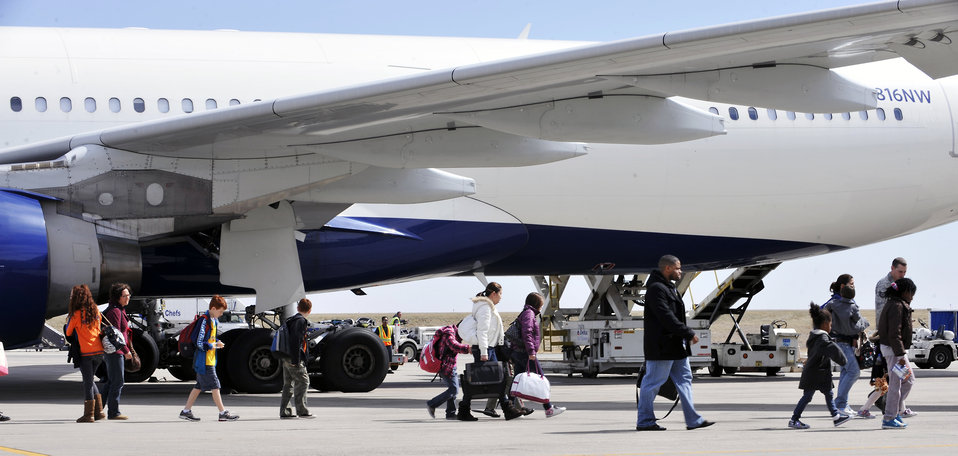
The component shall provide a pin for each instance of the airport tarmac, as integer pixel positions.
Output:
(43, 395)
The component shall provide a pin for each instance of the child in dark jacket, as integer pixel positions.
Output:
(817, 374)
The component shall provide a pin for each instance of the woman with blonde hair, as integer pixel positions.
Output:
(85, 322)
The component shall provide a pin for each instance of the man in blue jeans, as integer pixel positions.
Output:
(667, 339)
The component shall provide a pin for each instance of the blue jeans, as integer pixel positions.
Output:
(115, 371)
(807, 397)
(448, 396)
(849, 375)
(656, 373)
(88, 366)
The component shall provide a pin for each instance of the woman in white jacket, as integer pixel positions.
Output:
(488, 334)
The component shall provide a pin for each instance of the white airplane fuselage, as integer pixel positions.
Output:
(772, 188)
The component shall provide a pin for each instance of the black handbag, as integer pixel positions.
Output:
(485, 379)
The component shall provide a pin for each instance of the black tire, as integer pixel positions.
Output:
(730, 370)
(586, 353)
(940, 357)
(923, 365)
(772, 371)
(252, 367)
(409, 349)
(223, 358)
(149, 355)
(353, 360)
(714, 369)
(183, 373)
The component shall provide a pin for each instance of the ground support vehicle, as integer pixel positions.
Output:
(935, 347)
(774, 348)
(341, 357)
(603, 337)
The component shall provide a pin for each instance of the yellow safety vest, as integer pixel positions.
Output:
(386, 334)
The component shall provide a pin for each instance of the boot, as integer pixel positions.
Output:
(87, 412)
(464, 414)
(98, 408)
(518, 403)
(509, 409)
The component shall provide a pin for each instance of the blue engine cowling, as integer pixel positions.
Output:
(24, 269)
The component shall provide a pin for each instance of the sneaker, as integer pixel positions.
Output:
(432, 411)
(4, 417)
(307, 416)
(848, 411)
(892, 424)
(188, 415)
(864, 414)
(796, 424)
(908, 413)
(840, 419)
(901, 421)
(554, 411)
(452, 417)
(225, 415)
(490, 413)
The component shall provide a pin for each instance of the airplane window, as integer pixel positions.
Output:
(880, 113)
(114, 104)
(210, 103)
(773, 114)
(752, 113)
(163, 105)
(234, 102)
(809, 116)
(733, 113)
(187, 105)
(89, 104)
(713, 110)
(139, 105)
(828, 116)
(790, 115)
(847, 115)
(41, 104)
(16, 104)
(863, 115)
(898, 114)
(66, 105)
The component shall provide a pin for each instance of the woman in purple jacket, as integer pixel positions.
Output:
(524, 353)
(115, 369)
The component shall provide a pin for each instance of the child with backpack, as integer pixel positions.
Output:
(204, 361)
(817, 373)
(446, 345)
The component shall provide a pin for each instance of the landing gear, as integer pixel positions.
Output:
(149, 355)
(252, 367)
(353, 360)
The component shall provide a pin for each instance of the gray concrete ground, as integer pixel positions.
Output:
(43, 395)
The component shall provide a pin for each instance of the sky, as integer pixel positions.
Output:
(791, 286)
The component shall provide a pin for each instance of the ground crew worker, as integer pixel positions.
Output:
(385, 333)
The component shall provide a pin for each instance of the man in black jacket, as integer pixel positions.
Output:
(667, 340)
(295, 377)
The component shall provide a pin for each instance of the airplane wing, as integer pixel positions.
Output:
(780, 62)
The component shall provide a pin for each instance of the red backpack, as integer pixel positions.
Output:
(186, 341)
(429, 358)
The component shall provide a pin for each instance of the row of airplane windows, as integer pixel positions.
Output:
(139, 105)
(186, 104)
(791, 115)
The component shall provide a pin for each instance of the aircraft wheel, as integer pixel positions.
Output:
(149, 354)
(252, 366)
(183, 373)
(354, 360)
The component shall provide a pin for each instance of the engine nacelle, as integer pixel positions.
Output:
(43, 254)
